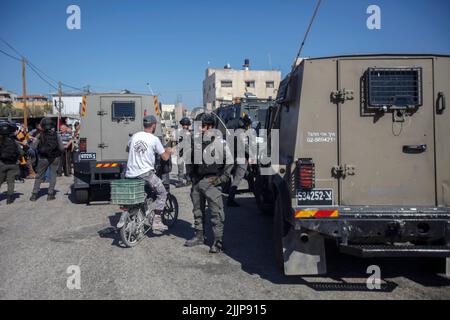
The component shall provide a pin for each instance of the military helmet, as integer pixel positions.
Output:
(207, 119)
(185, 121)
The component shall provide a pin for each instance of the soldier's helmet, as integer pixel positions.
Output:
(185, 121)
(206, 119)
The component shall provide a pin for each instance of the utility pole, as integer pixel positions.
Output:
(24, 94)
(59, 104)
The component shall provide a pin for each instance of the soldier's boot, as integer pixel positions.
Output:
(217, 246)
(51, 196)
(9, 199)
(197, 240)
(33, 197)
(231, 195)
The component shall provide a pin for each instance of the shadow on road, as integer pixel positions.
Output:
(181, 229)
(16, 195)
(249, 240)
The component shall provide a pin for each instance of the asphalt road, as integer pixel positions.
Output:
(40, 240)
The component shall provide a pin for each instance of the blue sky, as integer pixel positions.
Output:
(125, 44)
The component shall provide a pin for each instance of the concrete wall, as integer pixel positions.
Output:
(215, 93)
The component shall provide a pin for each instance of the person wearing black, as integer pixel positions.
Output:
(49, 147)
(10, 152)
(206, 180)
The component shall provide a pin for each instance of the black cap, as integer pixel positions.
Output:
(185, 121)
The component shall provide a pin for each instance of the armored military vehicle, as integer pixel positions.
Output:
(364, 159)
(255, 108)
(107, 123)
(231, 118)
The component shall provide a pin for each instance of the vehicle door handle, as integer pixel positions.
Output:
(415, 149)
(440, 103)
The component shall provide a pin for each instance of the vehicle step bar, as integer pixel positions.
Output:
(372, 251)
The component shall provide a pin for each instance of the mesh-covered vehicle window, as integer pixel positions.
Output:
(123, 110)
(394, 87)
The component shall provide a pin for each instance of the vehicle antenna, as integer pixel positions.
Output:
(306, 34)
(300, 50)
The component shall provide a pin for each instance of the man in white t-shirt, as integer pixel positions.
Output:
(143, 147)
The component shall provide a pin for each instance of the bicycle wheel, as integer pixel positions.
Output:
(129, 233)
(170, 213)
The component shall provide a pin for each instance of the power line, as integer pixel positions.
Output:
(38, 74)
(11, 47)
(35, 69)
(7, 54)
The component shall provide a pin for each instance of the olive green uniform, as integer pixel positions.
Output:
(206, 182)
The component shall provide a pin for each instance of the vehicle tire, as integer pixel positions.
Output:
(280, 230)
(262, 202)
(170, 213)
(82, 196)
(128, 233)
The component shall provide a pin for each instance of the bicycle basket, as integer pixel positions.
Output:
(128, 191)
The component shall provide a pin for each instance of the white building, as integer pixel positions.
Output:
(224, 85)
(71, 104)
(7, 97)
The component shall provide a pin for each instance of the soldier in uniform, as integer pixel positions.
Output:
(10, 152)
(206, 180)
(240, 168)
(49, 147)
(181, 166)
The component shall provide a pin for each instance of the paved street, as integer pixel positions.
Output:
(39, 241)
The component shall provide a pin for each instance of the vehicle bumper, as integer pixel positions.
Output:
(90, 173)
(369, 225)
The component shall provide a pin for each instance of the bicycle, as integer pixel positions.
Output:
(136, 203)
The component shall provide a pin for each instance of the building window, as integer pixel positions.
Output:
(226, 84)
(249, 84)
(270, 84)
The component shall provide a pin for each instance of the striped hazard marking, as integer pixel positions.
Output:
(106, 165)
(83, 106)
(156, 104)
(316, 214)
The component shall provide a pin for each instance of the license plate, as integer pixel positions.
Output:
(316, 197)
(88, 156)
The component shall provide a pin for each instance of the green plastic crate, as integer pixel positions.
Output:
(128, 191)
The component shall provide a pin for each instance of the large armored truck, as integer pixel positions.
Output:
(255, 108)
(231, 117)
(364, 159)
(107, 123)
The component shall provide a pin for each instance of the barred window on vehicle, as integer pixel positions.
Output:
(123, 110)
(400, 87)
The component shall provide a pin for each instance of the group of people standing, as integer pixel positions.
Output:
(208, 179)
(41, 154)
